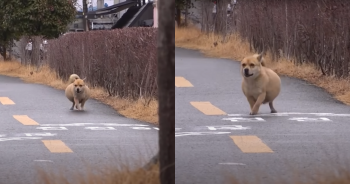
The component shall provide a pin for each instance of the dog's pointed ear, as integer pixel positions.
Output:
(259, 57)
(83, 79)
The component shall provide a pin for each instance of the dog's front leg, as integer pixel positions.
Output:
(76, 103)
(258, 102)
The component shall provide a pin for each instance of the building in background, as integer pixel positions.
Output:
(155, 13)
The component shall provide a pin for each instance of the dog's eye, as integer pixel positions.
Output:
(243, 65)
(75, 85)
(251, 65)
(80, 85)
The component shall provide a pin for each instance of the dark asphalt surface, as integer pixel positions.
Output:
(300, 145)
(50, 108)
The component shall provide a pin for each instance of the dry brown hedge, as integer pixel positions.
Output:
(123, 61)
(315, 31)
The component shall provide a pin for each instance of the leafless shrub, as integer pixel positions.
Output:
(123, 61)
(315, 32)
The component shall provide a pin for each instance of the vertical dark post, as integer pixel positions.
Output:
(166, 90)
(85, 10)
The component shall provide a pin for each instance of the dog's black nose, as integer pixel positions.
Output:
(78, 90)
(246, 70)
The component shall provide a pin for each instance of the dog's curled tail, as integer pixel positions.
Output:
(72, 78)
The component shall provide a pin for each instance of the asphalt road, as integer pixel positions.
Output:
(97, 136)
(310, 131)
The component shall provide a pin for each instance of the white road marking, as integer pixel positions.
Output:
(231, 163)
(156, 128)
(308, 119)
(228, 127)
(100, 128)
(39, 134)
(181, 134)
(43, 161)
(52, 128)
(141, 128)
(291, 113)
(85, 124)
(18, 138)
(236, 119)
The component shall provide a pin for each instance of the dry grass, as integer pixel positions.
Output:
(128, 108)
(109, 175)
(235, 48)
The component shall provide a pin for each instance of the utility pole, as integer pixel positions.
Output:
(166, 91)
(85, 10)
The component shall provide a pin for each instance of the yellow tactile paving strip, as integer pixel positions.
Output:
(56, 146)
(251, 144)
(25, 120)
(207, 108)
(6, 101)
(182, 82)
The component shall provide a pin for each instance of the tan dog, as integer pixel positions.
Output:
(72, 78)
(78, 93)
(260, 85)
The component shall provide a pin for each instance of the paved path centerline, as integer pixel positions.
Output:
(182, 82)
(6, 101)
(251, 144)
(207, 108)
(25, 120)
(57, 146)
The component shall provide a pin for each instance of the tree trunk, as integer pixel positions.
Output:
(186, 12)
(178, 16)
(166, 91)
(3, 52)
(35, 58)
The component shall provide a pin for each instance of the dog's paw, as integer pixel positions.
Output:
(253, 113)
(273, 111)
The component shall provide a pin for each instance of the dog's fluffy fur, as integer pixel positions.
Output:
(78, 93)
(72, 78)
(260, 84)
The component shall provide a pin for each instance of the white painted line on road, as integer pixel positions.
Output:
(228, 127)
(232, 164)
(291, 113)
(99, 124)
(236, 119)
(100, 128)
(141, 128)
(17, 138)
(43, 161)
(52, 128)
(156, 128)
(39, 134)
(308, 119)
(181, 134)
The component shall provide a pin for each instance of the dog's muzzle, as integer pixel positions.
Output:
(246, 73)
(78, 91)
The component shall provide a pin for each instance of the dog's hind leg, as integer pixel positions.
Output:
(273, 110)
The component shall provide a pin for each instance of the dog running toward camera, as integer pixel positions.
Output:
(78, 93)
(260, 84)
